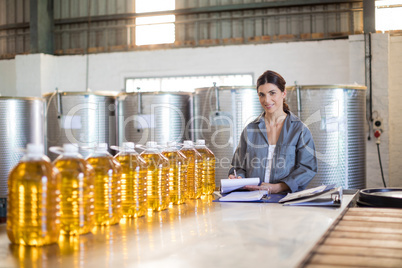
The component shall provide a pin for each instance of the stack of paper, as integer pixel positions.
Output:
(229, 185)
(319, 196)
(305, 193)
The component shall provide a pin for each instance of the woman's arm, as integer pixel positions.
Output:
(275, 187)
(306, 163)
(239, 158)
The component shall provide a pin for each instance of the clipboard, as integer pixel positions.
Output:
(307, 193)
(274, 198)
(331, 198)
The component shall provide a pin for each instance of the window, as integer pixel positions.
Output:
(186, 83)
(155, 29)
(388, 14)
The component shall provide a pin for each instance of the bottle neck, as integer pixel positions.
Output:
(151, 151)
(34, 157)
(100, 154)
(171, 149)
(72, 155)
(127, 152)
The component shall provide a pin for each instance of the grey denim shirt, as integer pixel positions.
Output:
(294, 161)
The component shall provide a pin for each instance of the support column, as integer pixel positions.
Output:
(369, 16)
(41, 26)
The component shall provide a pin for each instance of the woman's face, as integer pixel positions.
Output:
(271, 98)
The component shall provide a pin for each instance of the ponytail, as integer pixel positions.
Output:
(286, 108)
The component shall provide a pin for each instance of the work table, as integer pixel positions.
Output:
(200, 233)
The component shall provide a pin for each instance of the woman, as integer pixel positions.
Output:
(276, 147)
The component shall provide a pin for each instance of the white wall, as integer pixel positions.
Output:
(306, 62)
(7, 77)
(395, 111)
(380, 80)
(317, 62)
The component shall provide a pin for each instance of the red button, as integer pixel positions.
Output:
(377, 133)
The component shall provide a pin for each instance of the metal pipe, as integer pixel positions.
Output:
(218, 107)
(298, 96)
(59, 104)
(368, 76)
(139, 101)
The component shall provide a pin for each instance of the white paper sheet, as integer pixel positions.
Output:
(228, 185)
(304, 193)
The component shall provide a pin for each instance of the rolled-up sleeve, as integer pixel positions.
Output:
(306, 163)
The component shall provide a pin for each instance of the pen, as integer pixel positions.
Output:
(235, 174)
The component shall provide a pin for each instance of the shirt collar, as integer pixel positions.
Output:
(260, 118)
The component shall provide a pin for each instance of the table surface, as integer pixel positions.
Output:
(200, 233)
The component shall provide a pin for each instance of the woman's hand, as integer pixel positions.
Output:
(275, 187)
(231, 176)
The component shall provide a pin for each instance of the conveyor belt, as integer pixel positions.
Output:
(363, 237)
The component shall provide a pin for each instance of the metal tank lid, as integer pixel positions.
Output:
(20, 98)
(361, 87)
(155, 93)
(73, 93)
(225, 88)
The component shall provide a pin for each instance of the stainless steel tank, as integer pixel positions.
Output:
(335, 115)
(21, 122)
(153, 116)
(86, 118)
(220, 114)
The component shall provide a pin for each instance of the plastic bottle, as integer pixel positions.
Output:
(157, 177)
(208, 170)
(194, 170)
(77, 190)
(33, 200)
(177, 173)
(108, 209)
(133, 181)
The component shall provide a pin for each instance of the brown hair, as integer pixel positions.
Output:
(271, 77)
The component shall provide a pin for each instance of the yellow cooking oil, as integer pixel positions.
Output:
(177, 173)
(133, 181)
(33, 200)
(77, 191)
(157, 177)
(108, 209)
(208, 167)
(194, 170)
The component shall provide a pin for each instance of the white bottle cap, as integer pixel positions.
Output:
(151, 144)
(128, 146)
(188, 143)
(102, 147)
(70, 148)
(200, 142)
(171, 144)
(35, 149)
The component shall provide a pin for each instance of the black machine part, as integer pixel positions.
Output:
(381, 197)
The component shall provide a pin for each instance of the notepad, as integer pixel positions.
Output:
(229, 185)
(242, 196)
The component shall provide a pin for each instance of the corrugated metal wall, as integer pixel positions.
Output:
(109, 24)
(266, 24)
(73, 19)
(14, 27)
